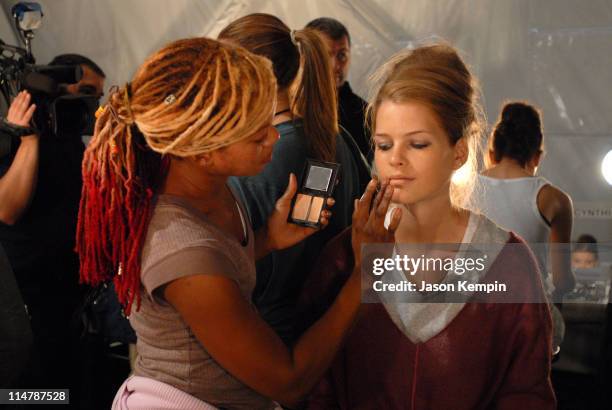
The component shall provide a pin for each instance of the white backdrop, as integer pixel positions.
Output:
(555, 53)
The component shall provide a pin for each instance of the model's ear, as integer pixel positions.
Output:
(492, 157)
(535, 161)
(461, 153)
(204, 160)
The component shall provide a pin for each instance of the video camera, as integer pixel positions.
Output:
(58, 114)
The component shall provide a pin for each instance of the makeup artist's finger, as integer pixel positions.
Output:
(396, 216)
(285, 199)
(362, 208)
(383, 205)
(379, 197)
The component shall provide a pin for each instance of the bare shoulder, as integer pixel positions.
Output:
(553, 201)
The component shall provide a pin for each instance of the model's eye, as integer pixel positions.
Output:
(342, 57)
(383, 146)
(419, 145)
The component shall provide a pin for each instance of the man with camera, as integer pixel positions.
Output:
(40, 186)
(15, 192)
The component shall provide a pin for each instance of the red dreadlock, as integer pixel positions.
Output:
(115, 208)
(192, 96)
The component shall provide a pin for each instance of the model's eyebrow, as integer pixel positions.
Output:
(382, 134)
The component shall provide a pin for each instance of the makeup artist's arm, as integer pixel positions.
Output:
(278, 233)
(228, 327)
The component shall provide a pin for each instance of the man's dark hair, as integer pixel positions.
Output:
(73, 59)
(332, 27)
(586, 243)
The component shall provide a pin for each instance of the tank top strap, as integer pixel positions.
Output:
(539, 182)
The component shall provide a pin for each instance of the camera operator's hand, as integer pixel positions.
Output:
(17, 185)
(21, 111)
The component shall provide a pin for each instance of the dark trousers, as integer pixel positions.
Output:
(15, 331)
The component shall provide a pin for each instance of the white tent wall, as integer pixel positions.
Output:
(556, 54)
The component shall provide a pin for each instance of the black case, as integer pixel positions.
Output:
(333, 181)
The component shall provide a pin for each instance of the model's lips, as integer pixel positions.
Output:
(398, 179)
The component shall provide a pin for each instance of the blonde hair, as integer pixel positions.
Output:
(436, 76)
(192, 96)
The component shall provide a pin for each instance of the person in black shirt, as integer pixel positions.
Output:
(351, 107)
(15, 331)
(39, 237)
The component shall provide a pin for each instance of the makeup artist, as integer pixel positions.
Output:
(308, 128)
(181, 244)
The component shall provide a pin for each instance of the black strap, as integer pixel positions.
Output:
(282, 111)
(14, 130)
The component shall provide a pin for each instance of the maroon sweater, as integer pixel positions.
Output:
(491, 356)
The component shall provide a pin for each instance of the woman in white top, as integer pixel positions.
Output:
(515, 198)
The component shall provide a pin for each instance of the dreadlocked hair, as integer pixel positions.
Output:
(191, 97)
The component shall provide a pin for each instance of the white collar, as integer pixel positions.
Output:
(422, 320)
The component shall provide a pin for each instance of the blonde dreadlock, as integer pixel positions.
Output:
(191, 97)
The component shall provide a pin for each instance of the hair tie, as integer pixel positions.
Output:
(293, 40)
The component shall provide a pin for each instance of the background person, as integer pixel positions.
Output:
(351, 107)
(308, 129)
(15, 331)
(38, 236)
(584, 252)
(514, 197)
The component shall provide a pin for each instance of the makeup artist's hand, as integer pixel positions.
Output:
(282, 234)
(369, 218)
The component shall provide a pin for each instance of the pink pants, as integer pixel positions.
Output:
(142, 393)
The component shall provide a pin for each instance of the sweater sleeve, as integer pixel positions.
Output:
(527, 383)
(331, 271)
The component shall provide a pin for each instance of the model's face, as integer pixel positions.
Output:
(414, 153)
(246, 157)
(90, 84)
(339, 57)
(583, 260)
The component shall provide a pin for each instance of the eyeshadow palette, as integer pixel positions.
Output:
(317, 183)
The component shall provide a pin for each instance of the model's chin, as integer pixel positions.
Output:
(398, 197)
(401, 197)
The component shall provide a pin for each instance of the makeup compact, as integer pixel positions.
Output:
(317, 184)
